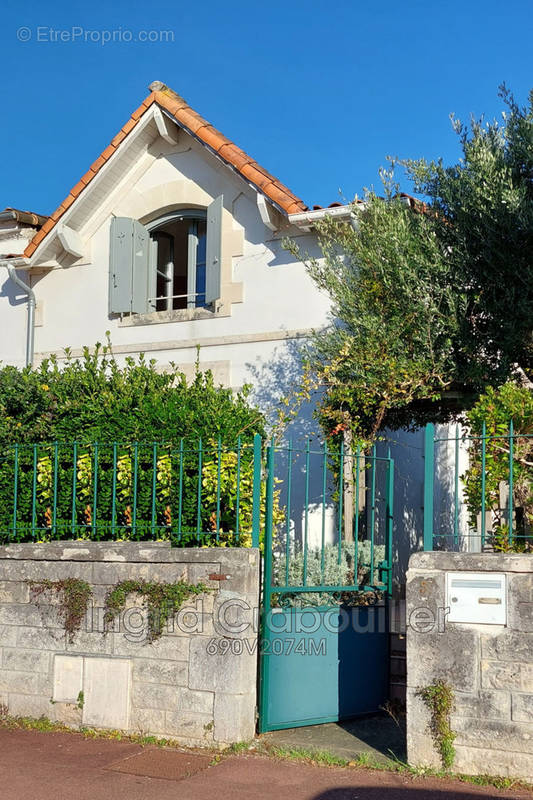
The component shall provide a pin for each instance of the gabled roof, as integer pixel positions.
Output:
(203, 131)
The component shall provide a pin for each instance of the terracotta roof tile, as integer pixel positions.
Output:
(144, 105)
(255, 175)
(25, 217)
(234, 156)
(191, 119)
(116, 140)
(214, 138)
(185, 117)
(77, 189)
(89, 175)
(129, 126)
(67, 202)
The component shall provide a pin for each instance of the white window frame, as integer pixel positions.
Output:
(195, 215)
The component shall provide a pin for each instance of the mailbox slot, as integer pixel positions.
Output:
(476, 597)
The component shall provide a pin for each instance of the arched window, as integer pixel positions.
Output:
(181, 240)
(169, 264)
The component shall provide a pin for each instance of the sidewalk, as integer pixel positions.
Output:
(50, 766)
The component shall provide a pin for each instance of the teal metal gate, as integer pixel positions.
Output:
(327, 579)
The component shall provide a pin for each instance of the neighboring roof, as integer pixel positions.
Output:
(197, 126)
(24, 217)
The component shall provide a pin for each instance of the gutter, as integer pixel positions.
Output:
(10, 265)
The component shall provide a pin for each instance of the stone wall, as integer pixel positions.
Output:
(489, 667)
(196, 683)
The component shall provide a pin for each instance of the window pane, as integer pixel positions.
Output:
(200, 265)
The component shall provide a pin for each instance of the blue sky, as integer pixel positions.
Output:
(318, 92)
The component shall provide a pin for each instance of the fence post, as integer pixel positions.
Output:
(265, 634)
(390, 522)
(256, 506)
(429, 476)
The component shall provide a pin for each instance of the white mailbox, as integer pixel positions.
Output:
(478, 597)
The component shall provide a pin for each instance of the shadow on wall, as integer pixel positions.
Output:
(278, 378)
(407, 450)
(14, 295)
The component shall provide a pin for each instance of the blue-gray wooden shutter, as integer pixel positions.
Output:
(131, 267)
(141, 247)
(120, 265)
(213, 250)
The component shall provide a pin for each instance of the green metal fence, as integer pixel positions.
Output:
(337, 561)
(485, 482)
(190, 493)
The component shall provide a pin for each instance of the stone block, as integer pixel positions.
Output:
(90, 643)
(20, 682)
(486, 704)
(234, 717)
(8, 636)
(148, 721)
(23, 615)
(450, 656)
(520, 603)
(14, 592)
(507, 675)
(170, 648)
(41, 638)
(242, 578)
(40, 570)
(233, 615)
(67, 713)
(507, 646)
(479, 761)
(25, 660)
(421, 751)
(189, 725)
(522, 708)
(151, 670)
(194, 700)
(425, 602)
(68, 678)
(470, 562)
(199, 573)
(111, 573)
(106, 687)
(152, 695)
(28, 705)
(493, 734)
(229, 672)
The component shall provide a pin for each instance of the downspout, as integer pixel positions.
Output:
(30, 327)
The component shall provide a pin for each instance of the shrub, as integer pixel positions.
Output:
(496, 408)
(336, 573)
(78, 425)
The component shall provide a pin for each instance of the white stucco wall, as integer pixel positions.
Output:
(278, 295)
(13, 239)
(13, 310)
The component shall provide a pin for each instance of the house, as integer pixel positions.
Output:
(172, 241)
